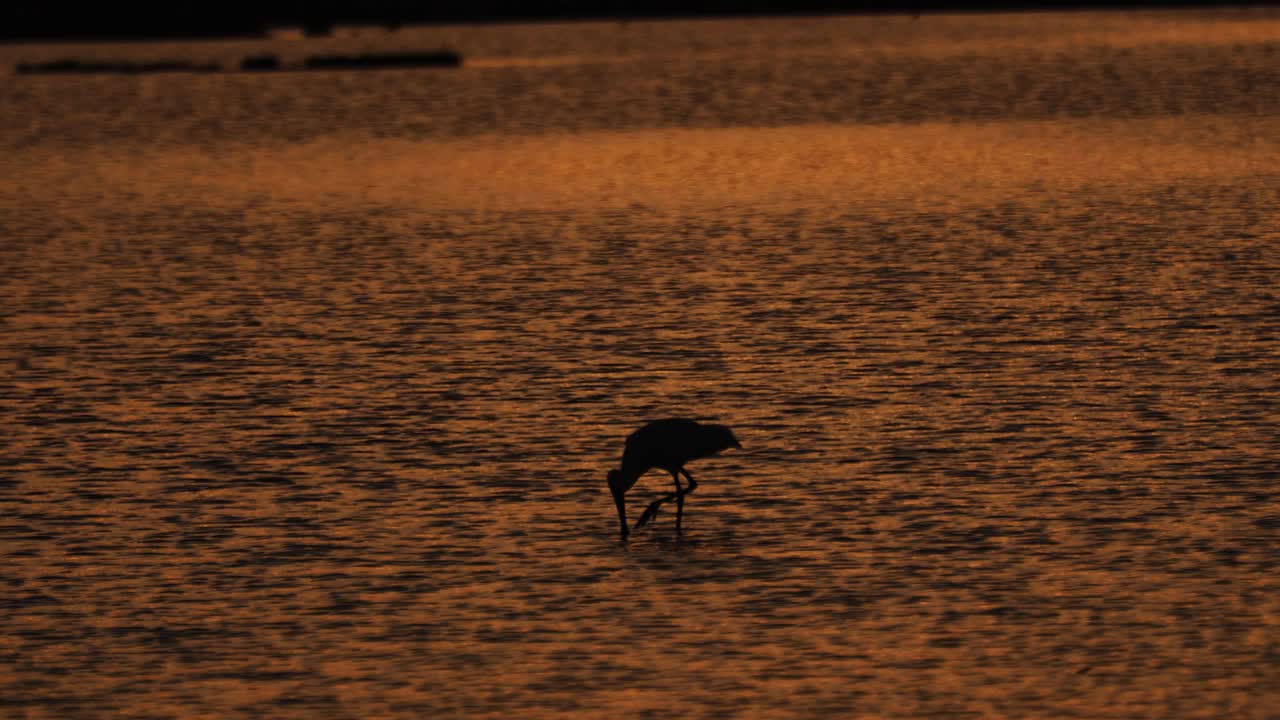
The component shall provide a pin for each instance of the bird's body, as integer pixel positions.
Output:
(666, 445)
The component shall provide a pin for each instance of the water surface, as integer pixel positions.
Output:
(315, 377)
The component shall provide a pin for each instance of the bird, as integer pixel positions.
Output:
(667, 445)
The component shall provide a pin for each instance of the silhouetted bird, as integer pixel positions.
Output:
(667, 445)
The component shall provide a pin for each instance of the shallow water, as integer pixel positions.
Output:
(316, 377)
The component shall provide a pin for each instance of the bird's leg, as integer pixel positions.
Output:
(692, 483)
(652, 511)
(675, 476)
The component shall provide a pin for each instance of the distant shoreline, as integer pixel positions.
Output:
(254, 63)
(87, 67)
(52, 25)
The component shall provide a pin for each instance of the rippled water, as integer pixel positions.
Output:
(314, 378)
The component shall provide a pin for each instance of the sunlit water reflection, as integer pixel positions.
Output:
(315, 378)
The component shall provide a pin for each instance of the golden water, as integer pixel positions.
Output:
(312, 380)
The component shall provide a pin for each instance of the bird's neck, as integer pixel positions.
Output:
(627, 476)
